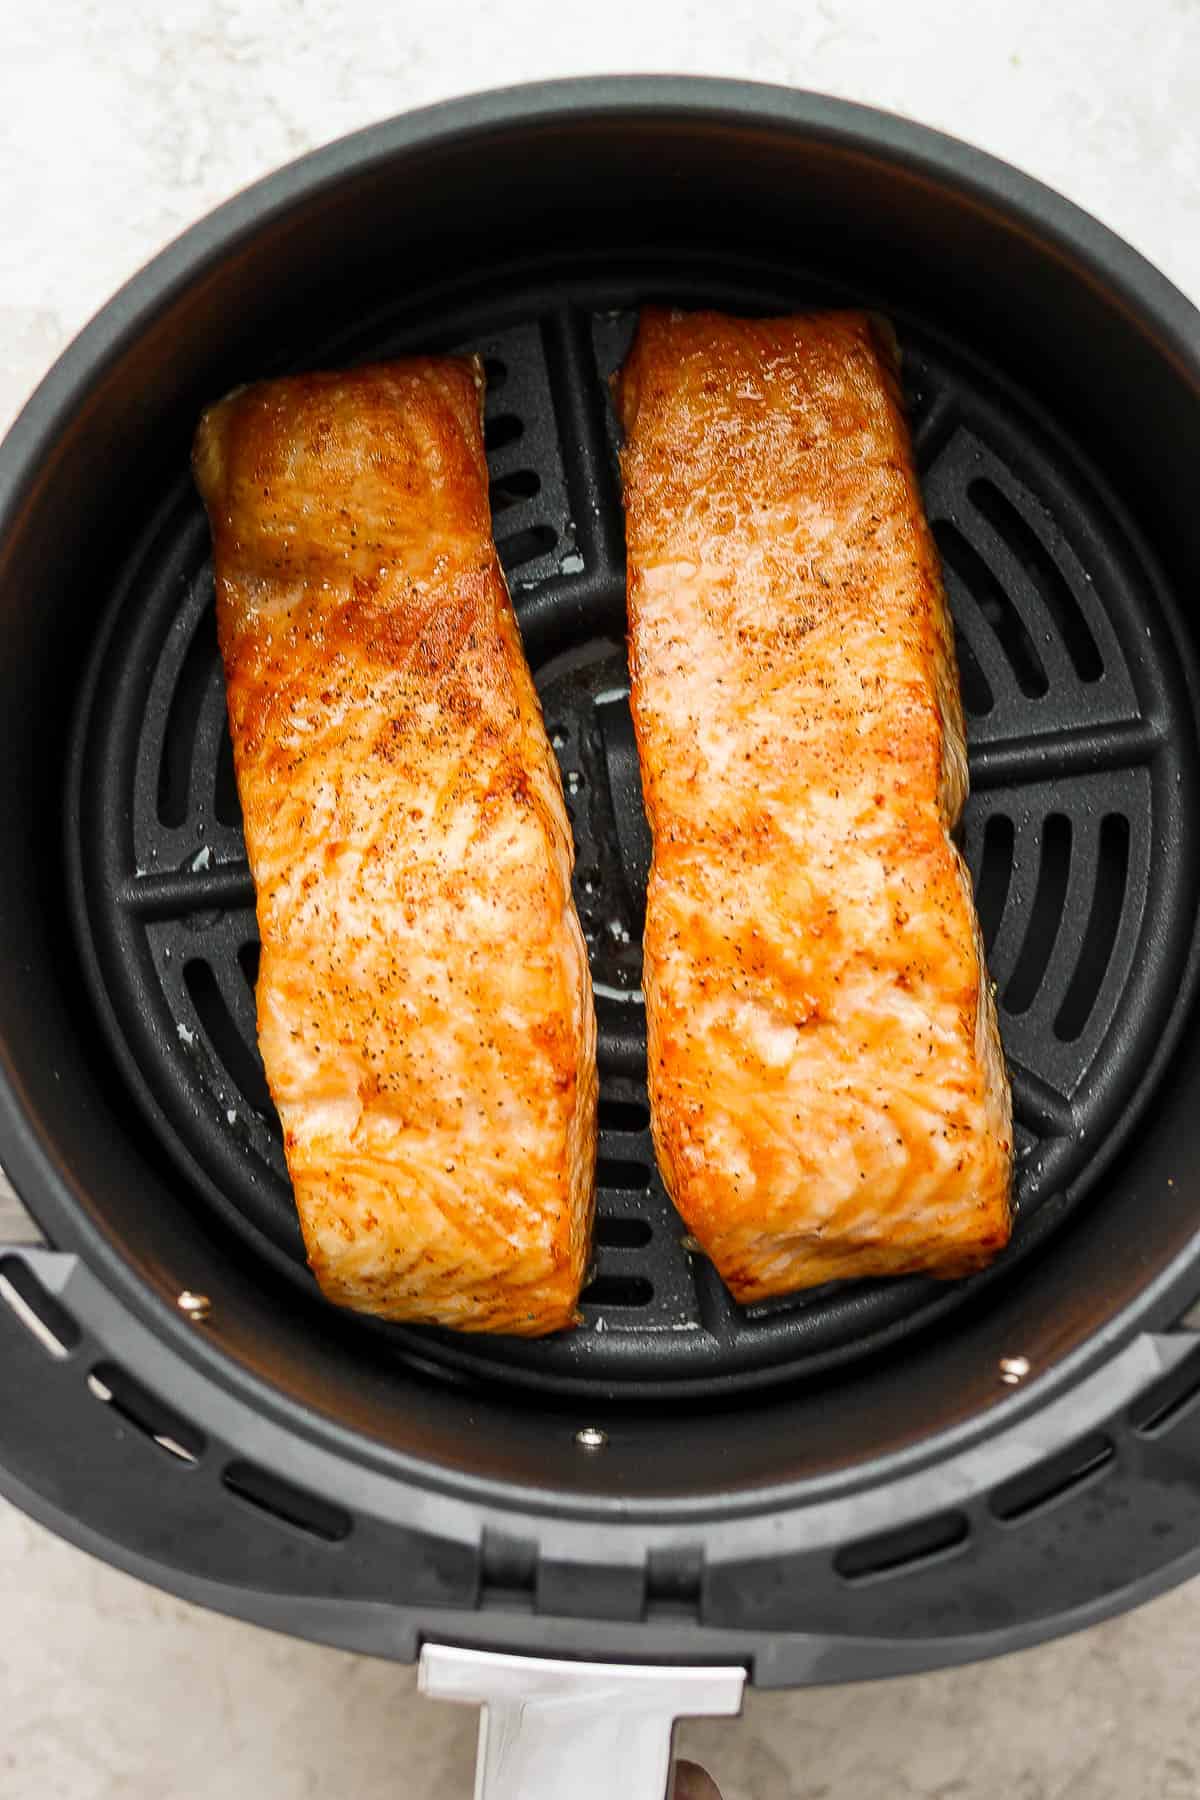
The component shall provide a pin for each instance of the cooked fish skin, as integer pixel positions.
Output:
(425, 1011)
(828, 1093)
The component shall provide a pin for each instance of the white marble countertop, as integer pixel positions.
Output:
(119, 125)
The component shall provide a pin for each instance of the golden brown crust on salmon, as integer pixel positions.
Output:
(424, 1006)
(827, 1089)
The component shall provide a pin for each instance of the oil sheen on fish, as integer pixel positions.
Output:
(424, 1005)
(828, 1092)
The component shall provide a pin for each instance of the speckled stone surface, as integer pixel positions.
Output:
(119, 125)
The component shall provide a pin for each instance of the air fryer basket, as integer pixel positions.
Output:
(866, 1478)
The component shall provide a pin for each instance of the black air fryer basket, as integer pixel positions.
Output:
(868, 1478)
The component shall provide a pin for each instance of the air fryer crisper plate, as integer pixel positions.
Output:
(1078, 832)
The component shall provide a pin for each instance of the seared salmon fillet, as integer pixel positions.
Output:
(828, 1094)
(424, 1005)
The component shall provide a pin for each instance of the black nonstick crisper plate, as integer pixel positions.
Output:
(1078, 831)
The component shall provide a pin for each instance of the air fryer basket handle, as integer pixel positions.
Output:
(588, 1730)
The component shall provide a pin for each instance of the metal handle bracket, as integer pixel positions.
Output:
(589, 1730)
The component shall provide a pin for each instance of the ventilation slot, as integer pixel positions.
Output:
(965, 566)
(995, 875)
(919, 398)
(619, 1290)
(624, 1115)
(183, 718)
(146, 1413)
(511, 490)
(44, 1317)
(1045, 574)
(495, 373)
(623, 1177)
(226, 804)
(243, 1067)
(934, 428)
(1045, 916)
(526, 546)
(1167, 1401)
(1025, 1141)
(501, 431)
(623, 1234)
(978, 698)
(1108, 903)
(899, 1552)
(1073, 1468)
(292, 1505)
(248, 960)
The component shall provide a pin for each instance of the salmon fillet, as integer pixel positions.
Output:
(828, 1094)
(424, 1005)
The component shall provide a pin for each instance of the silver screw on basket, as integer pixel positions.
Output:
(590, 1437)
(1013, 1369)
(196, 1306)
